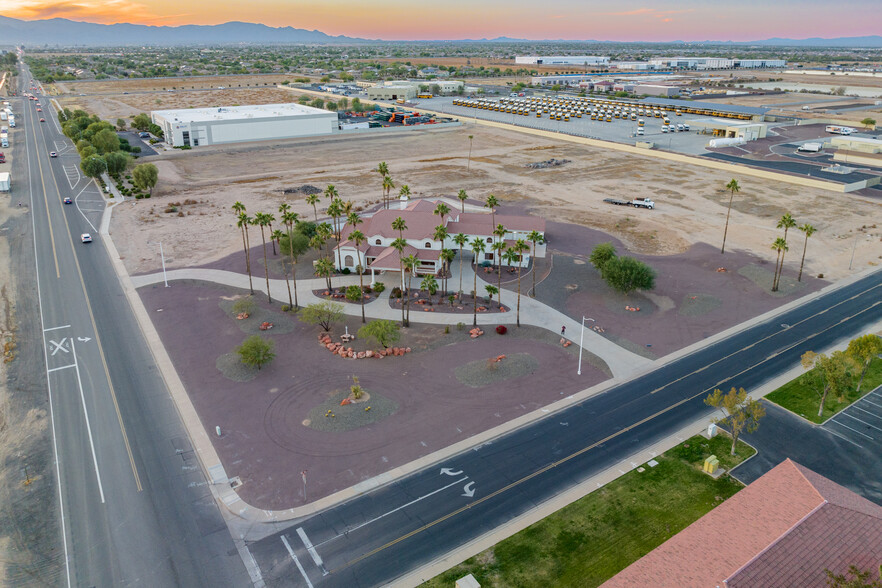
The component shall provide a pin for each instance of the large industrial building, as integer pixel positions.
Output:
(194, 127)
(700, 63)
(561, 60)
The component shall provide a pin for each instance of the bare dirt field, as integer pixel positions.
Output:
(691, 201)
(153, 84)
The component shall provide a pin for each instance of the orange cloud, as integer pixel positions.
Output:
(100, 11)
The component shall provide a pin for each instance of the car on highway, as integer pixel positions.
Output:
(86, 238)
(67, 200)
(42, 120)
(53, 154)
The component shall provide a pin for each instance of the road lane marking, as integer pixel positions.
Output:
(80, 210)
(64, 367)
(58, 346)
(394, 510)
(608, 438)
(296, 561)
(88, 425)
(311, 550)
(46, 202)
(48, 384)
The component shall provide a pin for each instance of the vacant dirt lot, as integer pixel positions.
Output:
(152, 84)
(691, 201)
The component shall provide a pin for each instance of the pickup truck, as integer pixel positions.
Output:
(637, 202)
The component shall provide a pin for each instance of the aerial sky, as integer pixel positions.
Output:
(617, 20)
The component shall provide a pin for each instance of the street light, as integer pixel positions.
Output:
(582, 338)
(162, 256)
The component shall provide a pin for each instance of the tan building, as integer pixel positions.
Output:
(405, 92)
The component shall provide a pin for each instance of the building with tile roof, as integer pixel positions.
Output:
(377, 253)
(783, 530)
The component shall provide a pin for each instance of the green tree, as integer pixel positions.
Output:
(626, 274)
(492, 203)
(491, 291)
(446, 256)
(116, 162)
(145, 176)
(256, 351)
(855, 578)
(141, 122)
(809, 230)
(313, 199)
(741, 413)
(383, 331)
(303, 99)
(388, 186)
(862, 351)
(323, 314)
(478, 247)
(121, 124)
(404, 192)
(733, 188)
(106, 141)
(536, 237)
(515, 255)
(780, 245)
(785, 223)
(430, 285)
(869, 122)
(93, 166)
(600, 256)
(463, 196)
(324, 268)
(827, 373)
(353, 293)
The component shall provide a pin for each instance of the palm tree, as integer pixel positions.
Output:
(430, 285)
(492, 203)
(460, 240)
(780, 245)
(515, 254)
(478, 247)
(411, 263)
(290, 219)
(404, 192)
(313, 200)
(534, 237)
(269, 224)
(469, 166)
(441, 210)
(243, 221)
(323, 231)
(491, 290)
(383, 170)
(276, 236)
(358, 238)
(733, 187)
(331, 192)
(785, 223)
(324, 268)
(334, 211)
(399, 245)
(809, 230)
(440, 234)
(446, 257)
(499, 248)
(388, 186)
(462, 198)
(263, 219)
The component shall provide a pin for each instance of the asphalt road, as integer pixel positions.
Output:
(385, 533)
(136, 508)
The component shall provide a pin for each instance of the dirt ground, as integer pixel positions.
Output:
(153, 84)
(691, 201)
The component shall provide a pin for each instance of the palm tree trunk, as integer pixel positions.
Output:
(361, 285)
(780, 270)
(293, 266)
(519, 294)
(802, 263)
(775, 278)
(534, 269)
(247, 257)
(272, 240)
(265, 265)
(315, 213)
(499, 280)
(287, 282)
(726, 230)
(401, 265)
(475, 295)
(460, 271)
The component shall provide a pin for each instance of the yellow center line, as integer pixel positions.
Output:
(597, 443)
(97, 335)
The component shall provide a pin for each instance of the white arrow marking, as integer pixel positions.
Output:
(450, 472)
(84, 339)
(469, 489)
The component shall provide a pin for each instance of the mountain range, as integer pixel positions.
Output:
(64, 32)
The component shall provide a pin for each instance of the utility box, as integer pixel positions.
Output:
(467, 582)
(711, 464)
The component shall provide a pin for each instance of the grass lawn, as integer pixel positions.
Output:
(589, 541)
(800, 398)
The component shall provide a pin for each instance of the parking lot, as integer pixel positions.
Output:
(619, 130)
(860, 423)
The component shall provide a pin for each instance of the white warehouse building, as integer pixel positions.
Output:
(561, 60)
(196, 127)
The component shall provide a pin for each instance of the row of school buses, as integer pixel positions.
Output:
(564, 108)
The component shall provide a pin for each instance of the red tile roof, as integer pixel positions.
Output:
(781, 530)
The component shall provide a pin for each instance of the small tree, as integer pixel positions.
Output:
(121, 124)
(383, 331)
(145, 176)
(869, 122)
(323, 314)
(741, 413)
(244, 305)
(353, 293)
(93, 166)
(256, 351)
(626, 274)
(142, 122)
(863, 350)
(827, 373)
(600, 255)
(854, 578)
(491, 291)
(116, 162)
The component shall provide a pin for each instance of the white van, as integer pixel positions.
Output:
(640, 132)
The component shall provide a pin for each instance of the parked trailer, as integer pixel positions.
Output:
(636, 203)
(5, 182)
(839, 130)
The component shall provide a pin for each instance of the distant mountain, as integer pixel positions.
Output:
(60, 31)
(870, 41)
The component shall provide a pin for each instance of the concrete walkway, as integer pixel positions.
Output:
(622, 363)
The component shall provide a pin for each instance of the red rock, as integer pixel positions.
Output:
(360, 355)
(330, 346)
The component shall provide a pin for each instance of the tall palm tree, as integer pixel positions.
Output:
(733, 187)
(499, 249)
(313, 199)
(440, 234)
(446, 257)
(809, 230)
(324, 232)
(358, 238)
(534, 237)
(460, 240)
(399, 245)
(383, 170)
(469, 167)
(276, 236)
(478, 247)
(270, 232)
(492, 203)
(262, 219)
(334, 211)
(404, 192)
(290, 219)
(780, 245)
(388, 186)
(441, 210)
(324, 268)
(411, 263)
(462, 198)
(330, 192)
(242, 222)
(785, 223)
(515, 254)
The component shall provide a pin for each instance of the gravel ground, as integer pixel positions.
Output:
(484, 372)
(694, 304)
(282, 322)
(762, 276)
(352, 416)
(231, 366)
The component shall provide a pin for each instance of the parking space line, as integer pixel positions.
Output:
(296, 561)
(860, 421)
(872, 414)
(56, 328)
(855, 430)
(832, 432)
(864, 399)
(64, 367)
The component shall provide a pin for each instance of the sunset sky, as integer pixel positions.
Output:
(622, 20)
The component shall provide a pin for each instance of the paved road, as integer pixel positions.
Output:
(136, 508)
(386, 533)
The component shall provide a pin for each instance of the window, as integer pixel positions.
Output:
(347, 261)
(488, 256)
(428, 244)
(378, 241)
(489, 239)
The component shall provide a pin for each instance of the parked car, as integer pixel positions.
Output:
(144, 135)
(42, 120)
(86, 238)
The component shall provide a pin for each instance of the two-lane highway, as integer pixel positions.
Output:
(382, 535)
(136, 508)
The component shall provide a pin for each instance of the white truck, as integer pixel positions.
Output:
(636, 202)
(839, 130)
(11, 121)
(5, 182)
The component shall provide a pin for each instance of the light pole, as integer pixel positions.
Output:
(162, 256)
(582, 338)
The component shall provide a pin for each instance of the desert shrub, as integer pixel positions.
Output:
(502, 329)
(379, 287)
(346, 271)
(396, 292)
(245, 305)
